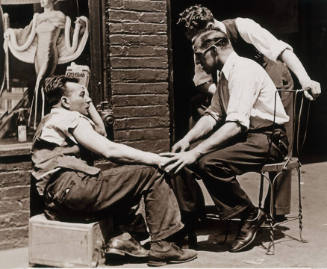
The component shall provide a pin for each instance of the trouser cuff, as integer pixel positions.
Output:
(235, 212)
(167, 233)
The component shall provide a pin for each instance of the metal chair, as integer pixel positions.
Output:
(290, 162)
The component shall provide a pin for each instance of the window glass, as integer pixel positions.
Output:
(38, 38)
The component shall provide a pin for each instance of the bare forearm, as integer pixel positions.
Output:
(125, 154)
(100, 145)
(201, 128)
(86, 136)
(295, 65)
(218, 138)
(96, 118)
(312, 88)
(215, 141)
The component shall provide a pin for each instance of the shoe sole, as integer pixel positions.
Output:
(123, 253)
(157, 264)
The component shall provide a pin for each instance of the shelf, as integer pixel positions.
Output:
(11, 148)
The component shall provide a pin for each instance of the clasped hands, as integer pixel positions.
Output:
(179, 157)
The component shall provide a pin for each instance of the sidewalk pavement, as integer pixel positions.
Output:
(212, 252)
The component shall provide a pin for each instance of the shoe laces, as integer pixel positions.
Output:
(177, 248)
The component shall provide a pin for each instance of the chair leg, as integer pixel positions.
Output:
(270, 220)
(271, 245)
(300, 216)
(261, 190)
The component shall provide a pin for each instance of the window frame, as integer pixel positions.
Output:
(98, 76)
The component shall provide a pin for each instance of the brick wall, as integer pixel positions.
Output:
(14, 201)
(137, 43)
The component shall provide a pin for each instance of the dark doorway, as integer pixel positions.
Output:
(301, 23)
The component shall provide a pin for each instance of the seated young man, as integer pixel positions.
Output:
(242, 129)
(74, 190)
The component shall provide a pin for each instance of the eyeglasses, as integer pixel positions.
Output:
(201, 53)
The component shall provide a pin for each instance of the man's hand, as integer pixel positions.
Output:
(312, 89)
(208, 88)
(181, 146)
(163, 160)
(179, 160)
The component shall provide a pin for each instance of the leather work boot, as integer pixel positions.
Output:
(248, 230)
(125, 244)
(163, 252)
(185, 238)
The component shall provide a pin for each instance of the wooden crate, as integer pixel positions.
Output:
(64, 244)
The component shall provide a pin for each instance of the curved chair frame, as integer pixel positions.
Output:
(279, 168)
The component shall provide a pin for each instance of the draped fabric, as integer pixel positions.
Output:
(20, 36)
(18, 2)
(2, 53)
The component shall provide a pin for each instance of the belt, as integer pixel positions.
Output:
(266, 129)
(276, 134)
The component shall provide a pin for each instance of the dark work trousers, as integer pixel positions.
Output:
(218, 170)
(75, 196)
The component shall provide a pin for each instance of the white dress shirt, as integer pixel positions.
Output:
(246, 94)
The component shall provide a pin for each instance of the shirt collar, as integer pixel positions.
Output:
(229, 64)
(57, 109)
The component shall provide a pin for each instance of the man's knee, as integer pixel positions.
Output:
(155, 177)
(207, 163)
(214, 168)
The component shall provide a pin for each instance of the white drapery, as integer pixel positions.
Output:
(18, 2)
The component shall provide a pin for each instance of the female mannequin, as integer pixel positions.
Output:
(46, 42)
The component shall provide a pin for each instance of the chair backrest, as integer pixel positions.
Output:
(293, 101)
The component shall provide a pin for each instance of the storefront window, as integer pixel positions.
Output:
(37, 39)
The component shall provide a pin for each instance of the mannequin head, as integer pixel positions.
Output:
(47, 3)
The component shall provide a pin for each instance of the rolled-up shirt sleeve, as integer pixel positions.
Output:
(260, 38)
(215, 110)
(244, 85)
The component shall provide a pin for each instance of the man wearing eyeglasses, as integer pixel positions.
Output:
(251, 40)
(235, 129)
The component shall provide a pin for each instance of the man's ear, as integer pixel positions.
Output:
(65, 102)
(210, 25)
(216, 52)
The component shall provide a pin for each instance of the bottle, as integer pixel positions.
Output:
(21, 126)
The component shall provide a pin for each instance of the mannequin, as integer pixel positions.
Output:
(46, 42)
